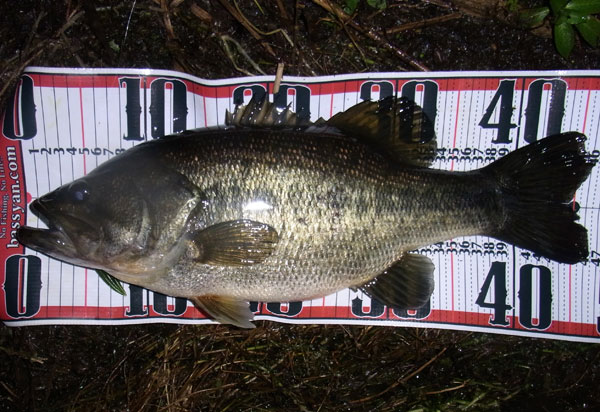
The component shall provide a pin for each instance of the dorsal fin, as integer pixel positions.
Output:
(396, 124)
(260, 113)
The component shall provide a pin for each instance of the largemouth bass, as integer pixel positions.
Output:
(272, 208)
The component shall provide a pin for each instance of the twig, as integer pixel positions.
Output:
(403, 379)
(574, 384)
(36, 51)
(339, 13)
(454, 388)
(33, 30)
(283, 32)
(127, 25)
(282, 11)
(164, 7)
(200, 13)
(94, 22)
(424, 23)
(440, 3)
(225, 39)
(278, 77)
(244, 22)
(355, 43)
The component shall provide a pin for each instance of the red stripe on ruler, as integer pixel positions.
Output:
(452, 168)
(437, 316)
(331, 106)
(448, 83)
(84, 172)
(585, 115)
(16, 106)
(204, 109)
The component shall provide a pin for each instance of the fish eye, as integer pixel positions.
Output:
(79, 191)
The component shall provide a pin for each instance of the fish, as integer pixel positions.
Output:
(274, 208)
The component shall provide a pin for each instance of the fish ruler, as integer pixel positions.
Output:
(62, 123)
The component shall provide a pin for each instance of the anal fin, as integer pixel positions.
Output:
(407, 284)
(226, 310)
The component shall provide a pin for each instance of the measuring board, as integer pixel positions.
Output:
(62, 123)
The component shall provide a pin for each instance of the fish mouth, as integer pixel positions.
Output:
(48, 241)
(58, 239)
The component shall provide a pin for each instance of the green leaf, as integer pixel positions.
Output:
(584, 6)
(590, 31)
(562, 18)
(533, 17)
(576, 18)
(564, 39)
(377, 4)
(351, 6)
(112, 282)
(557, 6)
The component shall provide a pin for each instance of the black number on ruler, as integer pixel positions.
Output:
(293, 308)
(20, 112)
(504, 97)
(137, 307)
(377, 308)
(157, 106)
(386, 89)
(544, 293)
(160, 305)
(497, 274)
(301, 95)
(136, 302)
(22, 285)
(133, 107)
(420, 313)
(430, 95)
(556, 111)
(258, 93)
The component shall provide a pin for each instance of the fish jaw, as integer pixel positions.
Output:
(57, 241)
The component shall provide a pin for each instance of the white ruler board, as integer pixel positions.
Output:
(62, 123)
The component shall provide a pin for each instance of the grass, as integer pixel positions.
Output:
(283, 367)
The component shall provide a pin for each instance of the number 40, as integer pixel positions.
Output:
(498, 295)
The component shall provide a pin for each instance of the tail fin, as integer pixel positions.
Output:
(537, 184)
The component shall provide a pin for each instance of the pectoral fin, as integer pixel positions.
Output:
(407, 284)
(226, 310)
(236, 243)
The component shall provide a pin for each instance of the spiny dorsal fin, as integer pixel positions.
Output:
(260, 113)
(396, 124)
(407, 284)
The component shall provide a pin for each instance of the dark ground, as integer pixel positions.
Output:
(276, 366)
